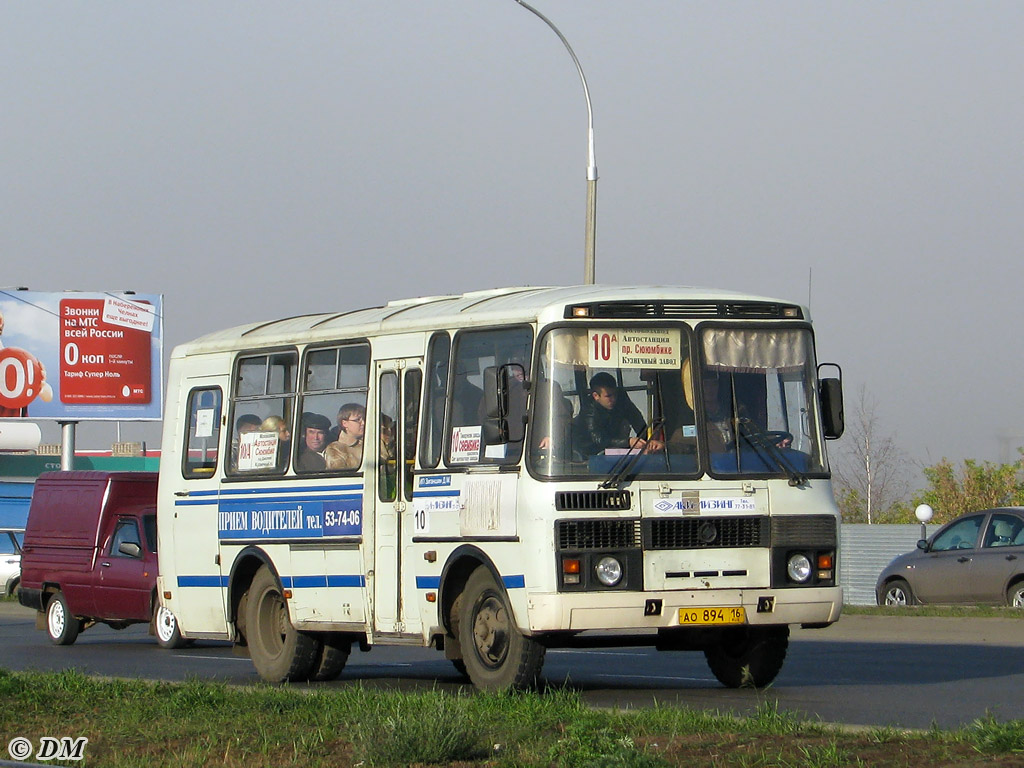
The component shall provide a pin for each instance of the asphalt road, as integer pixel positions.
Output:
(866, 670)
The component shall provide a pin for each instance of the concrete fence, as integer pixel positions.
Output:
(864, 550)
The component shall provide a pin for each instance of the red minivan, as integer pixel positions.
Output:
(89, 555)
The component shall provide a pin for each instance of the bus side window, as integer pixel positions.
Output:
(410, 415)
(387, 457)
(203, 436)
(476, 352)
(436, 397)
(262, 408)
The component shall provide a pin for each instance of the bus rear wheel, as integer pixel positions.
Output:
(279, 652)
(496, 654)
(331, 656)
(748, 657)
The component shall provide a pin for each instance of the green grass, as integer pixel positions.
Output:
(131, 723)
(947, 611)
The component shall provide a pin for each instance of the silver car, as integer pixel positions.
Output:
(977, 558)
(10, 560)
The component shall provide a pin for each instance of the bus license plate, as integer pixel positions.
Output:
(689, 616)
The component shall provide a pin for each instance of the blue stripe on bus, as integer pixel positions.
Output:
(202, 581)
(425, 494)
(434, 582)
(357, 580)
(287, 582)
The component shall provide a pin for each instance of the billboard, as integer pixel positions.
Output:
(81, 356)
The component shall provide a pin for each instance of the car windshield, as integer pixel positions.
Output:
(624, 401)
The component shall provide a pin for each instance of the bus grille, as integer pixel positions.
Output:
(598, 534)
(814, 530)
(706, 532)
(591, 501)
(628, 309)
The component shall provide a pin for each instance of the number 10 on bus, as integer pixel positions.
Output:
(606, 347)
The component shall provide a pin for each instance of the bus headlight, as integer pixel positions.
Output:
(798, 567)
(609, 571)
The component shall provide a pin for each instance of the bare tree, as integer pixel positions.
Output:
(870, 469)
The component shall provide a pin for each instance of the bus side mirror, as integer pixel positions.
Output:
(497, 428)
(830, 392)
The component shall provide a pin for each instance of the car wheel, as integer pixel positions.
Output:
(897, 592)
(165, 627)
(279, 651)
(496, 654)
(1015, 595)
(748, 657)
(61, 626)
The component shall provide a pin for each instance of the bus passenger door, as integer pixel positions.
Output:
(394, 442)
(195, 581)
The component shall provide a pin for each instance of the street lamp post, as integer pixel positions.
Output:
(591, 233)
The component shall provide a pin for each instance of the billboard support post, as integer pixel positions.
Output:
(67, 445)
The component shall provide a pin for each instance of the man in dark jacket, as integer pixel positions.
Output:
(606, 420)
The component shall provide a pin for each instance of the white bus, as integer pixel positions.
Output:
(502, 472)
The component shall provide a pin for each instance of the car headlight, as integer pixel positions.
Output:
(609, 571)
(798, 567)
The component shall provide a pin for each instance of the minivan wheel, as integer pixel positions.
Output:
(279, 651)
(61, 626)
(165, 627)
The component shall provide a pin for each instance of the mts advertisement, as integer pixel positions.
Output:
(78, 356)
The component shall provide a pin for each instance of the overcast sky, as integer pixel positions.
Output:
(254, 160)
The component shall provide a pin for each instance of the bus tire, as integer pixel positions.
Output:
(61, 626)
(165, 627)
(332, 655)
(748, 657)
(279, 652)
(497, 656)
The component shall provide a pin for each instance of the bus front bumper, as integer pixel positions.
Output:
(819, 606)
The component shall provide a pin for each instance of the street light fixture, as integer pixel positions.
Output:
(591, 235)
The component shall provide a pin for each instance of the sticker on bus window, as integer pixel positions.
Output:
(634, 348)
(257, 450)
(466, 444)
(204, 422)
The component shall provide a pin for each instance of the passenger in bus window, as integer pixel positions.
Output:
(315, 428)
(351, 426)
(340, 456)
(284, 436)
(606, 419)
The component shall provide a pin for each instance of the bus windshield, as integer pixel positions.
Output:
(628, 401)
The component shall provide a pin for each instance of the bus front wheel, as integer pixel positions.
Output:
(748, 657)
(496, 654)
(279, 651)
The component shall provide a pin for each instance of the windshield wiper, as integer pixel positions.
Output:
(763, 444)
(624, 466)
